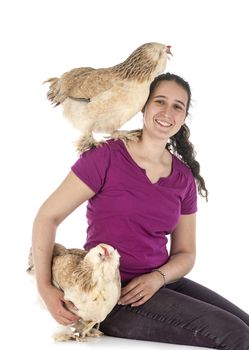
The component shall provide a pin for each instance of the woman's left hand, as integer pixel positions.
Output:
(140, 289)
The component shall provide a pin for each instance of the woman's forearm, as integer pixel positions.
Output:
(178, 266)
(43, 238)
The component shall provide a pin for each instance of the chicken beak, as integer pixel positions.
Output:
(168, 47)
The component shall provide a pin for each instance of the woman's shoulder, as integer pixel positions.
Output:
(105, 145)
(101, 147)
(182, 167)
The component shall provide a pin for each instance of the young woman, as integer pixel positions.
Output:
(138, 193)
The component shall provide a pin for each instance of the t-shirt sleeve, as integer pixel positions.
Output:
(189, 202)
(92, 166)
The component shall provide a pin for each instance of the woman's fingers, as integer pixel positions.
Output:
(65, 317)
(141, 301)
(139, 290)
(131, 296)
(70, 305)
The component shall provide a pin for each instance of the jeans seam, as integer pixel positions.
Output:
(162, 319)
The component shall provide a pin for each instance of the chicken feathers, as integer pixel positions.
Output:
(103, 100)
(90, 280)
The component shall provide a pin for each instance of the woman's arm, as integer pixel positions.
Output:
(66, 198)
(183, 249)
(182, 258)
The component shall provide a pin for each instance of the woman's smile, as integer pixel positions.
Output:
(163, 122)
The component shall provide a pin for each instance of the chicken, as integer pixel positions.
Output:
(90, 280)
(102, 100)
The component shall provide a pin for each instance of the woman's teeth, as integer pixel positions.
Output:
(163, 123)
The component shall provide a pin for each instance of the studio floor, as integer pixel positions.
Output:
(106, 342)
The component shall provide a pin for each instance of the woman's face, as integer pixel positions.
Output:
(166, 110)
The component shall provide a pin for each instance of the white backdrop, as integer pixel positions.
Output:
(41, 39)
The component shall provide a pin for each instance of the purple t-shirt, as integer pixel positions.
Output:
(128, 211)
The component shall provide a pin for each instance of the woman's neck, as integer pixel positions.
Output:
(150, 149)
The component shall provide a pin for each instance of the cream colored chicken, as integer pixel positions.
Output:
(104, 99)
(91, 281)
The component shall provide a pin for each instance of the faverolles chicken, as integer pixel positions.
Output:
(102, 100)
(90, 280)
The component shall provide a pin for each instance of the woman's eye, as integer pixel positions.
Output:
(160, 102)
(178, 107)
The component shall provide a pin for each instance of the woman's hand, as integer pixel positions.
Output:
(58, 306)
(141, 289)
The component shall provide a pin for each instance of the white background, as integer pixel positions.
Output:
(42, 39)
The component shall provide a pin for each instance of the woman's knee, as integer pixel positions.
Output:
(229, 331)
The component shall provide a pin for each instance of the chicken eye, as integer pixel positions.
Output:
(100, 255)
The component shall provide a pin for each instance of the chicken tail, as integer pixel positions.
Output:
(50, 80)
(59, 249)
(30, 270)
(54, 91)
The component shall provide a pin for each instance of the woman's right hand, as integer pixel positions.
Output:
(64, 200)
(58, 306)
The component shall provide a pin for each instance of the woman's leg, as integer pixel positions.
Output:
(197, 291)
(173, 317)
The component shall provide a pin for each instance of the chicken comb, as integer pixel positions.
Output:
(106, 253)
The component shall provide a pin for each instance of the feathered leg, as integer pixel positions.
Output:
(65, 333)
(133, 135)
(78, 331)
(95, 332)
(89, 331)
(87, 142)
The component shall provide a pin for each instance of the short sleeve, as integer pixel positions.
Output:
(92, 166)
(189, 202)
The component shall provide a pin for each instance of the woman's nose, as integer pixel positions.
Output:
(167, 111)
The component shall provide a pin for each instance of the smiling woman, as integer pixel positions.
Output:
(166, 108)
(140, 192)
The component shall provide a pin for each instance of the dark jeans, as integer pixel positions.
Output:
(185, 313)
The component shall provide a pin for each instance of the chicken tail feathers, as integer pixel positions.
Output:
(54, 93)
(59, 249)
(50, 80)
(30, 270)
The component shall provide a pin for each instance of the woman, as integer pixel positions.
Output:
(138, 192)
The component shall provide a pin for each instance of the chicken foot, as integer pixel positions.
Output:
(78, 331)
(87, 330)
(87, 142)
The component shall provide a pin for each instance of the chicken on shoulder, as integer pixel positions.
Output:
(91, 281)
(102, 100)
